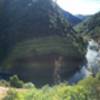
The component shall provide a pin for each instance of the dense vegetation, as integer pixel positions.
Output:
(36, 59)
(90, 26)
(87, 89)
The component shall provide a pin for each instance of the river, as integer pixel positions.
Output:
(93, 62)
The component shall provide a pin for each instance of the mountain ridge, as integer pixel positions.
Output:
(90, 26)
(39, 43)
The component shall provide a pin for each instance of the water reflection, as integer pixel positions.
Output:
(93, 62)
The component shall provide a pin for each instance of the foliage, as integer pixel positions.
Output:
(41, 47)
(19, 25)
(11, 95)
(4, 83)
(87, 89)
(28, 85)
(40, 54)
(90, 27)
(16, 82)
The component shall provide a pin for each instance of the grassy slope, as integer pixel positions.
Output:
(34, 60)
(42, 46)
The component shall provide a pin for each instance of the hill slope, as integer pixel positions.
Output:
(37, 42)
(73, 20)
(90, 26)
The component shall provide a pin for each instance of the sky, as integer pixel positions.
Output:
(84, 7)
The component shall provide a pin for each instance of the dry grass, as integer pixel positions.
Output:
(3, 91)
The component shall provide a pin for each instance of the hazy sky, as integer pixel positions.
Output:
(84, 7)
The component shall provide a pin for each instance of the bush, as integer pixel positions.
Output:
(11, 95)
(28, 85)
(16, 82)
(87, 89)
(98, 76)
(4, 83)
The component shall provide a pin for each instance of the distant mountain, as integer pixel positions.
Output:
(73, 20)
(37, 42)
(81, 17)
(90, 26)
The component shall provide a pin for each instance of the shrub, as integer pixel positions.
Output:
(28, 85)
(11, 95)
(14, 95)
(16, 82)
(98, 76)
(4, 83)
(87, 89)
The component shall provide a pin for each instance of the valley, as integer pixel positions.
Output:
(46, 52)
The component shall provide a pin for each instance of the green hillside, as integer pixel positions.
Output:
(25, 19)
(37, 41)
(90, 27)
(36, 59)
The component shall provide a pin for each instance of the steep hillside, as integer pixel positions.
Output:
(43, 60)
(90, 26)
(25, 19)
(37, 18)
(37, 42)
(73, 20)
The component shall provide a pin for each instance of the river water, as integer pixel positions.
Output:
(93, 62)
